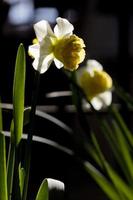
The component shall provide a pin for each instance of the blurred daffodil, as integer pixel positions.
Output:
(96, 84)
(60, 46)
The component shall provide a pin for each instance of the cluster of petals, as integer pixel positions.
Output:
(59, 45)
(96, 84)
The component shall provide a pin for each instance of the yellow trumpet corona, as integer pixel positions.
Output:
(69, 50)
(96, 84)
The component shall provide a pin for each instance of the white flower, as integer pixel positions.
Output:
(60, 46)
(96, 84)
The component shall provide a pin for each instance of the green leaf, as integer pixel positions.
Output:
(3, 175)
(11, 161)
(21, 178)
(119, 184)
(124, 149)
(26, 120)
(26, 115)
(122, 187)
(113, 143)
(12, 132)
(3, 172)
(18, 93)
(102, 181)
(10, 168)
(124, 95)
(1, 121)
(98, 150)
(92, 151)
(51, 189)
(122, 125)
(43, 191)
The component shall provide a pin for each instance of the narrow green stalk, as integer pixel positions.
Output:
(30, 134)
(73, 82)
(123, 94)
(16, 194)
(10, 169)
(122, 124)
(77, 101)
(3, 174)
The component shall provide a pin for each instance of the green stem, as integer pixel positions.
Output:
(77, 100)
(125, 96)
(122, 124)
(10, 169)
(3, 175)
(30, 134)
(73, 82)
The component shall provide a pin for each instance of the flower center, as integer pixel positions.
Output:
(96, 84)
(69, 50)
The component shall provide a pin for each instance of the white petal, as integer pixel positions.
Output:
(93, 65)
(106, 98)
(63, 27)
(42, 28)
(45, 46)
(102, 100)
(43, 65)
(35, 63)
(54, 184)
(46, 63)
(34, 50)
(58, 63)
(97, 103)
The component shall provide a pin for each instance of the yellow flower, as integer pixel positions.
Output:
(60, 46)
(96, 84)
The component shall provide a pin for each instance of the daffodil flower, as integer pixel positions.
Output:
(96, 84)
(61, 46)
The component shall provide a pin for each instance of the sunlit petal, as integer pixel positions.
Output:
(63, 27)
(45, 46)
(42, 28)
(35, 63)
(33, 50)
(106, 98)
(66, 48)
(58, 63)
(96, 84)
(93, 65)
(96, 103)
(46, 63)
(102, 100)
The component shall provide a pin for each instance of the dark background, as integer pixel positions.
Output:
(107, 29)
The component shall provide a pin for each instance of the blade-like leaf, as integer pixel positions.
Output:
(26, 116)
(21, 178)
(92, 151)
(11, 161)
(1, 121)
(124, 95)
(51, 189)
(124, 149)
(121, 186)
(3, 175)
(18, 93)
(113, 143)
(122, 125)
(10, 169)
(43, 191)
(101, 180)
(98, 150)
